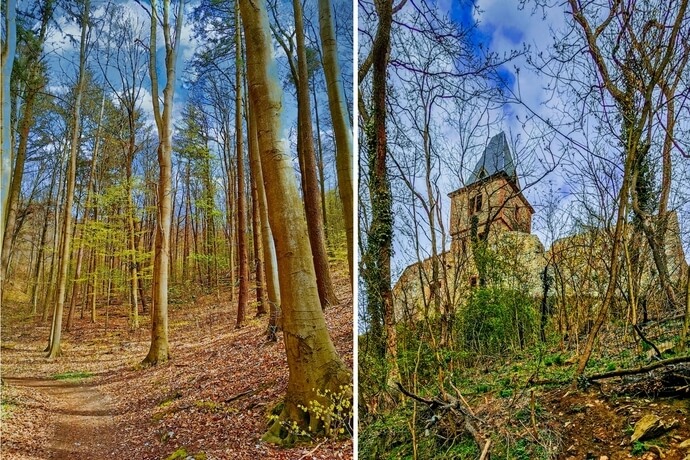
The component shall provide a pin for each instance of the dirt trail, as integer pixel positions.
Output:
(81, 418)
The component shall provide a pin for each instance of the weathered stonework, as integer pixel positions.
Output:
(492, 211)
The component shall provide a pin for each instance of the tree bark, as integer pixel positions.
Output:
(65, 253)
(7, 51)
(313, 362)
(85, 219)
(34, 84)
(258, 256)
(322, 177)
(243, 294)
(341, 123)
(267, 244)
(159, 350)
(380, 236)
(305, 149)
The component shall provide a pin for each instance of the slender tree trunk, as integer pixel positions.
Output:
(15, 187)
(35, 84)
(686, 320)
(6, 62)
(187, 226)
(159, 350)
(65, 256)
(322, 178)
(77, 272)
(341, 123)
(312, 359)
(85, 219)
(241, 198)
(140, 280)
(40, 264)
(132, 246)
(258, 256)
(305, 150)
(50, 294)
(267, 244)
(614, 270)
(379, 241)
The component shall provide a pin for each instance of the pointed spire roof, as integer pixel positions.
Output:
(495, 159)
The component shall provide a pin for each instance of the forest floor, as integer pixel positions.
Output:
(525, 403)
(210, 401)
(558, 421)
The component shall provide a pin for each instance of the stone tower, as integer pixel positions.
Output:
(491, 202)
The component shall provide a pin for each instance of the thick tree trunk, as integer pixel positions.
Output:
(243, 295)
(341, 123)
(305, 149)
(312, 359)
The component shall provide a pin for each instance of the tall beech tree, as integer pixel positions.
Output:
(313, 362)
(129, 62)
(34, 82)
(67, 219)
(7, 50)
(159, 350)
(341, 122)
(267, 245)
(243, 260)
(307, 155)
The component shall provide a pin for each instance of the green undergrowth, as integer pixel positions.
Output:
(73, 375)
(497, 385)
(394, 436)
(330, 417)
(181, 454)
(7, 406)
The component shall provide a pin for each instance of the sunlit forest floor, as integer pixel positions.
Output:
(523, 401)
(210, 401)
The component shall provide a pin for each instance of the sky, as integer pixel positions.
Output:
(503, 26)
(62, 52)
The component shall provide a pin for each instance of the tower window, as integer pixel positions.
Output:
(476, 204)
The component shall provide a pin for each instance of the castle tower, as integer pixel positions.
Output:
(492, 200)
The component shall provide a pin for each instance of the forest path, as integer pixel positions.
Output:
(81, 417)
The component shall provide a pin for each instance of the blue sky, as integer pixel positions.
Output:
(503, 26)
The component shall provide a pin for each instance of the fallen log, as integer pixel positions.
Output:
(639, 370)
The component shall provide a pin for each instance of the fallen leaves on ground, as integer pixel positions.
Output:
(214, 395)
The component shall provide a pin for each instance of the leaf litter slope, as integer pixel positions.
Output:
(214, 396)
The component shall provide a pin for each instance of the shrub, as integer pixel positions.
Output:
(496, 319)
